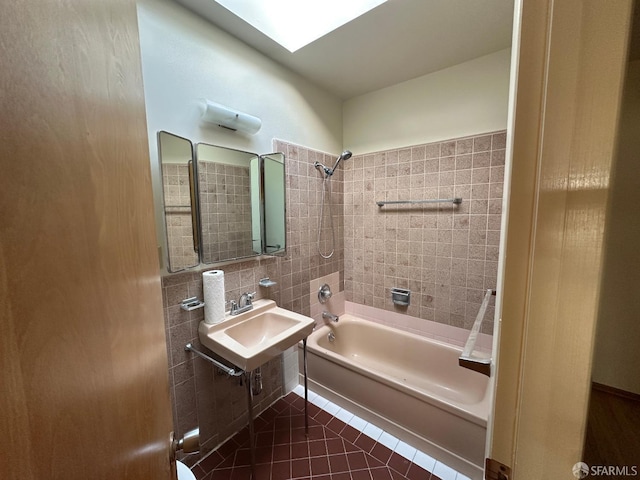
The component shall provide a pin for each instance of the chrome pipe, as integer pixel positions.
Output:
(306, 389)
(228, 370)
(252, 442)
(256, 381)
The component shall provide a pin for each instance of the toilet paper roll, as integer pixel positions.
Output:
(213, 286)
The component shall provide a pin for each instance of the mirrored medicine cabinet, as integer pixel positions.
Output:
(219, 203)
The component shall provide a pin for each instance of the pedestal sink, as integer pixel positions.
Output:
(252, 338)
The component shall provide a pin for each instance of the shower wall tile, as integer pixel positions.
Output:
(304, 212)
(445, 254)
(334, 305)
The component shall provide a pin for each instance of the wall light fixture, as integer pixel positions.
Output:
(226, 117)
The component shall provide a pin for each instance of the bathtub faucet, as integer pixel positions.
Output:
(330, 316)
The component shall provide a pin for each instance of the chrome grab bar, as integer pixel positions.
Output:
(228, 370)
(455, 201)
(467, 360)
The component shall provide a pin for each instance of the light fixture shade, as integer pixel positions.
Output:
(226, 117)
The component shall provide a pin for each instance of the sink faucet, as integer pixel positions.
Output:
(244, 303)
(330, 316)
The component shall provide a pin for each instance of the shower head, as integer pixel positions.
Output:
(328, 172)
(346, 155)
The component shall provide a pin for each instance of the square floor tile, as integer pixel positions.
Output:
(338, 463)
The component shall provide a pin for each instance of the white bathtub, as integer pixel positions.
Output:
(409, 385)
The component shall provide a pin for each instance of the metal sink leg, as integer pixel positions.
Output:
(252, 443)
(306, 390)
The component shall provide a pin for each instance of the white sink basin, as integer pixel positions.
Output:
(253, 338)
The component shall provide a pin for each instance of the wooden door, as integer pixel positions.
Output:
(571, 65)
(83, 363)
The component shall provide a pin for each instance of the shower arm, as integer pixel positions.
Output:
(327, 171)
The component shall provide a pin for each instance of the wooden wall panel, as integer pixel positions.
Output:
(84, 369)
(548, 323)
(520, 192)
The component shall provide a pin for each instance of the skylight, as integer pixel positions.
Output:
(296, 23)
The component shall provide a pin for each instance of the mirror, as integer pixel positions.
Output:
(176, 163)
(227, 204)
(274, 203)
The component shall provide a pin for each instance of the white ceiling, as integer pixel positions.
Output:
(397, 41)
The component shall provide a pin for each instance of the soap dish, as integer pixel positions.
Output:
(192, 303)
(401, 296)
(266, 282)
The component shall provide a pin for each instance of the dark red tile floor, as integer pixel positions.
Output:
(331, 451)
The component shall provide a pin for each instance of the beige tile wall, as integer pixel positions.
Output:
(334, 305)
(304, 196)
(446, 255)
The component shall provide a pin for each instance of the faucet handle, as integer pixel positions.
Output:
(250, 297)
(244, 302)
(233, 306)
